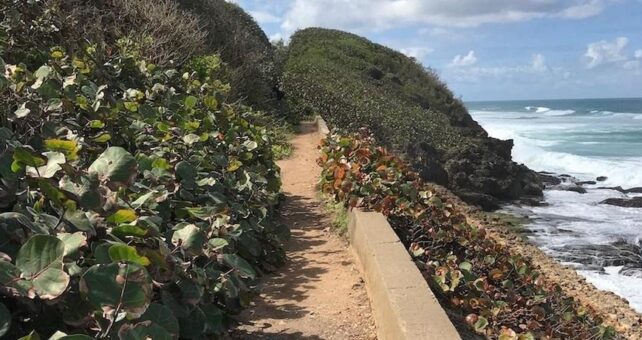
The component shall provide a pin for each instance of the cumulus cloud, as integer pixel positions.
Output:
(375, 15)
(638, 54)
(606, 52)
(537, 66)
(265, 17)
(463, 61)
(539, 63)
(417, 52)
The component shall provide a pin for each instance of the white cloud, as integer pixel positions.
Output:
(539, 63)
(638, 54)
(463, 61)
(631, 65)
(376, 15)
(265, 17)
(537, 67)
(417, 52)
(606, 52)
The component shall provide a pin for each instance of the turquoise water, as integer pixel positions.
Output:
(584, 138)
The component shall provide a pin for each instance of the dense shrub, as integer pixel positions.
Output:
(354, 83)
(162, 32)
(135, 202)
(247, 51)
(499, 294)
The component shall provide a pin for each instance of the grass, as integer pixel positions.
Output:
(339, 213)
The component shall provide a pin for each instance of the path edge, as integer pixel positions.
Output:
(403, 306)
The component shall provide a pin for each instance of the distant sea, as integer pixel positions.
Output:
(584, 138)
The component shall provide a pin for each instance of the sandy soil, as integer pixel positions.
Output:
(319, 293)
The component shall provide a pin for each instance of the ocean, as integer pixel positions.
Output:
(583, 138)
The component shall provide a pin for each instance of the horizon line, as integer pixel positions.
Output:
(545, 99)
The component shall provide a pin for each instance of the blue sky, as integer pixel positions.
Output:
(491, 49)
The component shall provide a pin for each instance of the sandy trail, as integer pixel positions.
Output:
(319, 293)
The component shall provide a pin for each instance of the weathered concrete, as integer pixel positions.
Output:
(402, 303)
(322, 127)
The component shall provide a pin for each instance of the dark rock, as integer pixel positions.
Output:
(631, 271)
(601, 178)
(565, 175)
(548, 179)
(635, 202)
(573, 188)
(618, 188)
(586, 183)
(633, 191)
(533, 202)
(486, 202)
(604, 255)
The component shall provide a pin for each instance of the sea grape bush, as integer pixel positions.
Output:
(499, 294)
(134, 202)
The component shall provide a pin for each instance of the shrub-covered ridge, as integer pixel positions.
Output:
(498, 293)
(353, 83)
(136, 203)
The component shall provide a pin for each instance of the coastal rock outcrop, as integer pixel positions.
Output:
(635, 202)
(408, 109)
(603, 255)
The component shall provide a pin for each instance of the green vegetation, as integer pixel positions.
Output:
(354, 83)
(339, 213)
(498, 293)
(244, 47)
(135, 201)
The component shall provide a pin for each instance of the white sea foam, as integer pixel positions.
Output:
(618, 284)
(571, 218)
(537, 109)
(558, 112)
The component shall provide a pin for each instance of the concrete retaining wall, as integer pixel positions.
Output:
(403, 305)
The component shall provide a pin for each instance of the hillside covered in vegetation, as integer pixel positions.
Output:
(354, 83)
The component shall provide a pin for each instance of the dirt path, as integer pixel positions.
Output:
(319, 293)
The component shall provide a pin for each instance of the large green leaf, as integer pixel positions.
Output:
(25, 157)
(115, 165)
(73, 242)
(40, 261)
(85, 191)
(79, 219)
(124, 253)
(5, 320)
(144, 330)
(51, 283)
(68, 147)
(238, 263)
(11, 281)
(14, 219)
(39, 253)
(163, 316)
(126, 285)
(122, 216)
(192, 326)
(54, 160)
(190, 238)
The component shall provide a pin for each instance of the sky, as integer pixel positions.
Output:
(490, 49)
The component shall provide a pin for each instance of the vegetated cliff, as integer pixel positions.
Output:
(242, 44)
(355, 83)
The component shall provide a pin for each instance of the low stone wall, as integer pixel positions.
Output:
(403, 305)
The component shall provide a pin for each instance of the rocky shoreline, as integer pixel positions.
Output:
(613, 309)
(594, 257)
